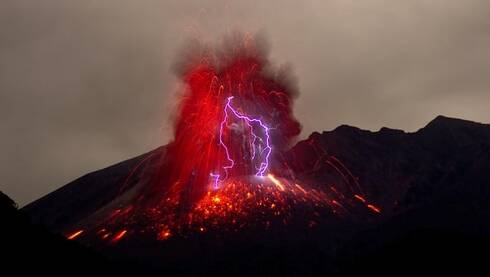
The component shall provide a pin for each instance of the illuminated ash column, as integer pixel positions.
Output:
(260, 146)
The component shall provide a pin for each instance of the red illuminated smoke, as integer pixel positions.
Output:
(239, 68)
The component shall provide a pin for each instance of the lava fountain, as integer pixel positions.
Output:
(234, 117)
(224, 169)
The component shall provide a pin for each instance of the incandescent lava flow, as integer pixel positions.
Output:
(225, 169)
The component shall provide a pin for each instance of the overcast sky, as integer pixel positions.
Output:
(85, 84)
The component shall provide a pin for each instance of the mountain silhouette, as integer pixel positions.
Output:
(28, 247)
(429, 192)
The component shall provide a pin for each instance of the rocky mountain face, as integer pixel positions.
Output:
(402, 171)
(430, 185)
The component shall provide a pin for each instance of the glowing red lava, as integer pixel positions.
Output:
(224, 170)
(74, 235)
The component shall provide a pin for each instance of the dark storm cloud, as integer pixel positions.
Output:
(84, 84)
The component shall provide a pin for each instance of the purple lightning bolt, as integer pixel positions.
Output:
(216, 179)
(268, 149)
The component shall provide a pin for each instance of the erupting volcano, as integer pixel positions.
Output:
(226, 169)
(235, 116)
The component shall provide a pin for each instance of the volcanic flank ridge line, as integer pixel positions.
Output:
(89, 193)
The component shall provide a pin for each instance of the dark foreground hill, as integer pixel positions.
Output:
(431, 186)
(27, 248)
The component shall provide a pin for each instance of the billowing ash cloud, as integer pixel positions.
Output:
(240, 63)
(234, 114)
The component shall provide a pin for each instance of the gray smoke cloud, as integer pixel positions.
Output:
(84, 84)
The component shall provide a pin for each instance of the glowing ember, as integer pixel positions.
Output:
(276, 182)
(360, 198)
(239, 204)
(119, 236)
(164, 234)
(374, 208)
(74, 235)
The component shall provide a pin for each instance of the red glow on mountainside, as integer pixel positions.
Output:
(225, 170)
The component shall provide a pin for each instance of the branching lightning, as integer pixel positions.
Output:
(265, 152)
(204, 179)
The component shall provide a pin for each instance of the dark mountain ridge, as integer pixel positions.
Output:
(431, 185)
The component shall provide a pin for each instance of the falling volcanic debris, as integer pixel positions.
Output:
(225, 169)
(234, 115)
